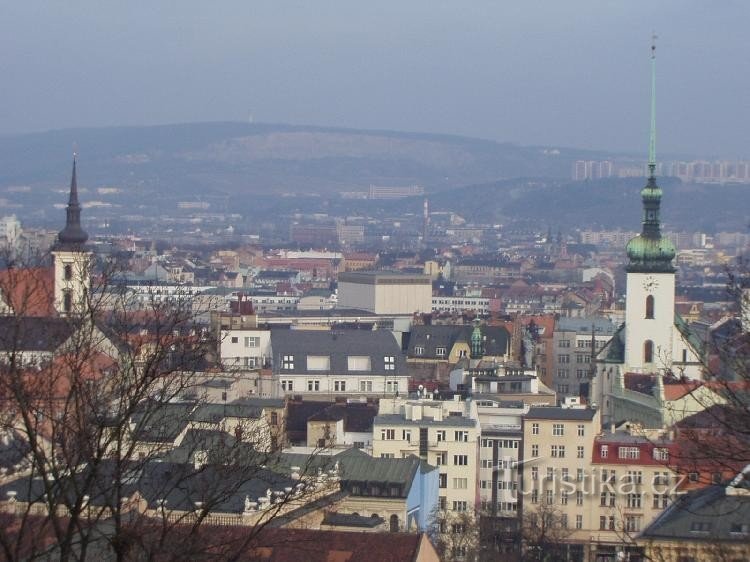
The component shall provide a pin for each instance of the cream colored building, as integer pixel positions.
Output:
(385, 292)
(601, 489)
(556, 469)
(444, 433)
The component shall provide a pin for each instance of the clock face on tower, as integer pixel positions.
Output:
(650, 283)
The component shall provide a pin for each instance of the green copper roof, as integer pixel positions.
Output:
(649, 251)
(652, 255)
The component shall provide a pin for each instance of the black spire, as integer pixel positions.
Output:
(72, 234)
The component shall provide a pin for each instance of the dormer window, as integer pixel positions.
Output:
(389, 363)
(288, 362)
(440, 351)
(358, 363)
(418, 350)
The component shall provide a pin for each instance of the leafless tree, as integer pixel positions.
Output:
(544, 531)
(92, 399)
(456, 535)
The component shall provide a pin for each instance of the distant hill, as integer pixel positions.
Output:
(251, 169)
(602, 204)
(236, 158)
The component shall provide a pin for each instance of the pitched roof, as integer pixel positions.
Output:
(430, 337)
(361, 468)
(29, 291)
(34, 333)
(338, 345)
(715, 513)
(357, 416)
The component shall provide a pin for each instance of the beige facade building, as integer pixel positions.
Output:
(385, 292)
(599, 489)
(556, 471)
(444, 433)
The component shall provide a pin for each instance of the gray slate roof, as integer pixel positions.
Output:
(359, 468)
(715, 514)
(496, 339)
(338, 345)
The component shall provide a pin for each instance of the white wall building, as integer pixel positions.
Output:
(245, 349)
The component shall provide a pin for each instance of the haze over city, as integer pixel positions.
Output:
(534, 73)
(422, 281)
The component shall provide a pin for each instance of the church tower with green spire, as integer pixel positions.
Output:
(649, 313)
(654, 340)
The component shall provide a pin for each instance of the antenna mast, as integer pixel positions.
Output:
(652, 138)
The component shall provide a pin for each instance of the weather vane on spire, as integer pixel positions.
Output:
(652, 138)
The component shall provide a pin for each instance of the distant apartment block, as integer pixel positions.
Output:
(697, 171)
(718, 171)
(394, 192)
(620, 238)
(350, 233)
(313, 234)
(592, 169)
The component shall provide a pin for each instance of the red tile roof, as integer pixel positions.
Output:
(29, 291)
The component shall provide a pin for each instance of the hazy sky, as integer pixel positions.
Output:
(556, 72)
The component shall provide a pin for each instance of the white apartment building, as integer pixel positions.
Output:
(245, 349)
(500, 448)
(443, 433)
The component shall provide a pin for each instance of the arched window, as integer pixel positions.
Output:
(648, 351)
(394, 523)
(650, 306)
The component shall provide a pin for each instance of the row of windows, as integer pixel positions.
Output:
(313, 385)
(439, 351)
(501, 485)
(632, 523)
(558, 429)
(581, 344)
(564, 474)
(501, 443)
(501, 464)
(441, 435)
(580, 358)
(323, 362)
(486, 505)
